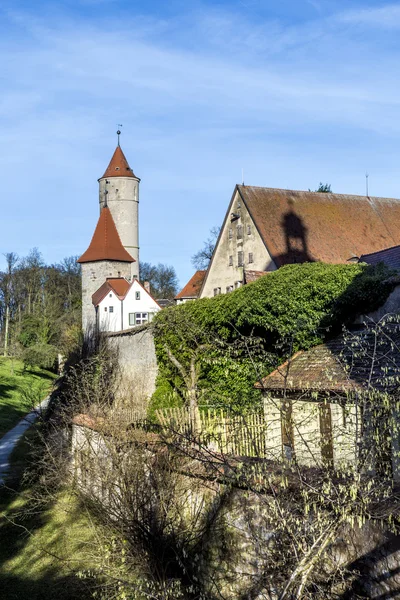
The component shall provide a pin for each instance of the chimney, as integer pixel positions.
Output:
(146, 286)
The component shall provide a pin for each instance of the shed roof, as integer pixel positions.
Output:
(343, 365)
(106, 243)
(118, 166)
(312, 226)
(193, 286)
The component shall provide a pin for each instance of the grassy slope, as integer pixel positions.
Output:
(19, 391)
(39, 555)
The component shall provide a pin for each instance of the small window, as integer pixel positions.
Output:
(230, 261)
(229, 288)
(111, 309)
(217, 291)
(131, 318)
(105, 309)
(117, 168)
(110, 295)
(250, 257)
(230, 233)
(137, 295)
(248, 229)
(238, 284)
(238, 204)
(239, 231)
(141, 318)
(240, 259)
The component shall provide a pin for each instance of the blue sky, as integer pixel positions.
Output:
(294, 92)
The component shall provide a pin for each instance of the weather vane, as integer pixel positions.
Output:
(119, 131)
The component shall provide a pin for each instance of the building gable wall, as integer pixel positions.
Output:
(223, 276)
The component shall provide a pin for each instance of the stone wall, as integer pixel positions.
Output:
(138, 365)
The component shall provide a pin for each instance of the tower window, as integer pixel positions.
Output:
(117, 168)
(250, 257)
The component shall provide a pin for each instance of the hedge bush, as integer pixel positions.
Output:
(243, 335)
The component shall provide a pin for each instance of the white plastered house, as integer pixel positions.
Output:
(121, 305)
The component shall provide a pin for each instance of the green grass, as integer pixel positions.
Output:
(41, 551)
(40, 554)
(20, 390)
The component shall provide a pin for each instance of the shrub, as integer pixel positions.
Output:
(43, 356)
(240, 336)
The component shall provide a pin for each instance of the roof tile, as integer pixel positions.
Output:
(106, 243)
(312, 226)
(193, 286)
(118, 166)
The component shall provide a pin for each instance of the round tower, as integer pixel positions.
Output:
(119, 190)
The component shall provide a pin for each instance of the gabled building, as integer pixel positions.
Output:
(191, 291)
(266, 228)
(120, 304)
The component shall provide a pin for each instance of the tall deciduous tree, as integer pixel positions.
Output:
(162, 278)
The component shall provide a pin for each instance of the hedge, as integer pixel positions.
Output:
(241, 336)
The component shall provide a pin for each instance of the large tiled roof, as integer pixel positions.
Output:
(106, 243)
(118, 285)
(193, 286)
(342, 365)
(311, 226)
(118, 166)
(389, 256)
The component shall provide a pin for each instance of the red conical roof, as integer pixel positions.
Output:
(106, 243)
(118, 166)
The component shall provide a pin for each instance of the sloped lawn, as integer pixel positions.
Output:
(20, 390)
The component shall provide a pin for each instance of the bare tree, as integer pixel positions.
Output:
(202, 258)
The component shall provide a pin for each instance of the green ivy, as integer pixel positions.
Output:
(241, 336)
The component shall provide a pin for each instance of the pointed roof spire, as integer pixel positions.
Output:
(118, 166)
(106, 243)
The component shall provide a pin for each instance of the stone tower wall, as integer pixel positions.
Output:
(123, 202)
(94, 274)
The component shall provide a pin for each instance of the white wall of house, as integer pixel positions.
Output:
(137, 308)
(239, 247)
(109, 313)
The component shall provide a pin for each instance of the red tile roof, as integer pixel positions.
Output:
(389, 256)
(311, 226)
(118, 285)
(106, 243)
(192, 288)
(118, 166)
(343, 365)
